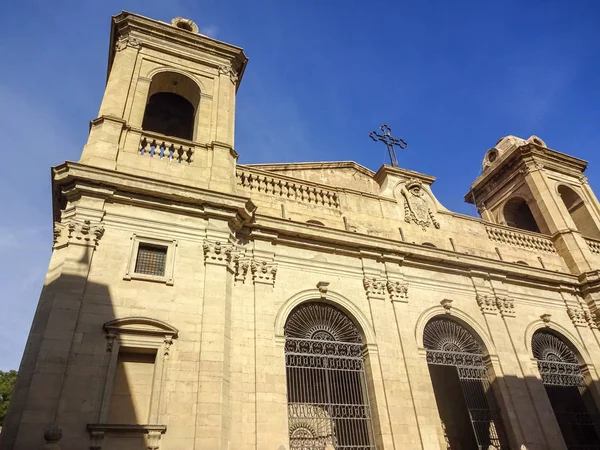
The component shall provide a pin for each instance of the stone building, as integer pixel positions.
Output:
(195, 303)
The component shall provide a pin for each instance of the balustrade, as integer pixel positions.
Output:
(519, 239)
(171, 149)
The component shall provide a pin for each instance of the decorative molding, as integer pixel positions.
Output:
(487, 304)
(74, 232)
(416, 207)
(519, 239)
(217, 253)
(375, 286)
(263, 272)
(447, 305)
(398, 291)
(98, 431)
(127, 41)
(506, 306)
(323, 286)
(288, 189)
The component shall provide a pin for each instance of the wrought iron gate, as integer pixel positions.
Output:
(566, 389)
(328, 405)
(449, 344)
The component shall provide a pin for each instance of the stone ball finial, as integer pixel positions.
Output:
(185, 24)
(53, 433)
(536, 140)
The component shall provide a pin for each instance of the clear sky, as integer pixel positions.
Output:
(449, 77)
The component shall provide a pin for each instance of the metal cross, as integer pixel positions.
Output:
(389, 141)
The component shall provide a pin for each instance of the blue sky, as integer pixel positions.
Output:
(450, 78)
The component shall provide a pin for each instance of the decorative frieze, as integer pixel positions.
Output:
(398, 291)
(74, 232)
(217, 253)
(375, 286)
(522, 240)
(263, 272)
(290, 190)
(416, 205)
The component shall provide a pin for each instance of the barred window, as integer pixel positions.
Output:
(151, 260)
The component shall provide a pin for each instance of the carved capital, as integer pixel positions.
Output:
(263, 272)
(487, 304)
(241, 265)
(81, 233)
(398, 291)
(230, 72)
(217, 253)
(153, 442)
(506, 306)
(375, 287)
(96, 440)
(578, 316)
(127, 41)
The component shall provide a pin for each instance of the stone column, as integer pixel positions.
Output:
(213, 401)
(515, 386)
(271, 384)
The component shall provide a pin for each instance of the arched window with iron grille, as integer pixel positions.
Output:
(463, 393)
(328, 403)
(567, 391)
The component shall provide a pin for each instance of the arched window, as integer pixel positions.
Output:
(466, 404)
(579, 212)
(173, 100)
(328, 405)
(567, 391)
(517, 214)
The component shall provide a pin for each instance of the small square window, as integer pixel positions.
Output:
(151, 260)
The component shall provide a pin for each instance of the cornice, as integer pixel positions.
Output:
(122, 185)
(405, 174)
(354, 244)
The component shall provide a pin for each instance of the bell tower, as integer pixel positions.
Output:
(526, 185)
(168, 109)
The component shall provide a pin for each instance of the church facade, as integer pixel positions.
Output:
(195, 303)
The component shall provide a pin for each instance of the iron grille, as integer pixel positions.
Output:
(328, 405)
(151, 260)
(449, 344)
(565, 385)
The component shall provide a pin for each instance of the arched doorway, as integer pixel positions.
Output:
(518, 214)
(567, 391)
(579, 212)
(463, 393)
(328, 403)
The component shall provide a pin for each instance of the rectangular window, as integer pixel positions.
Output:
(132, 389)
(151, 260)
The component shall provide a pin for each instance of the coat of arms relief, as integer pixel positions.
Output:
(416, 205)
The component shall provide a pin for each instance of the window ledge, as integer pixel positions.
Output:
(145, 277)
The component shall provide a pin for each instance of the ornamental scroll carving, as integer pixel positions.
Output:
(416, 205)
(375, 286)
(492, 304)
(230, 72)
(74, 232)
(398, 291)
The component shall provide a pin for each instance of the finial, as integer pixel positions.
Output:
(389, 141)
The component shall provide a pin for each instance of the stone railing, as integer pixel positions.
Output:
(520, 239)
(280, 187)
(156, 145)
(594, 245)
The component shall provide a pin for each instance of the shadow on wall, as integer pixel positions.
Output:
(79, 380)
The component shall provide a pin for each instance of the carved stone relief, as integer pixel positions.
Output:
(73, 232)
(416, 205)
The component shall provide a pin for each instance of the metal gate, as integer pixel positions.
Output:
(328, 405)
(567, 391)
(449, 344)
